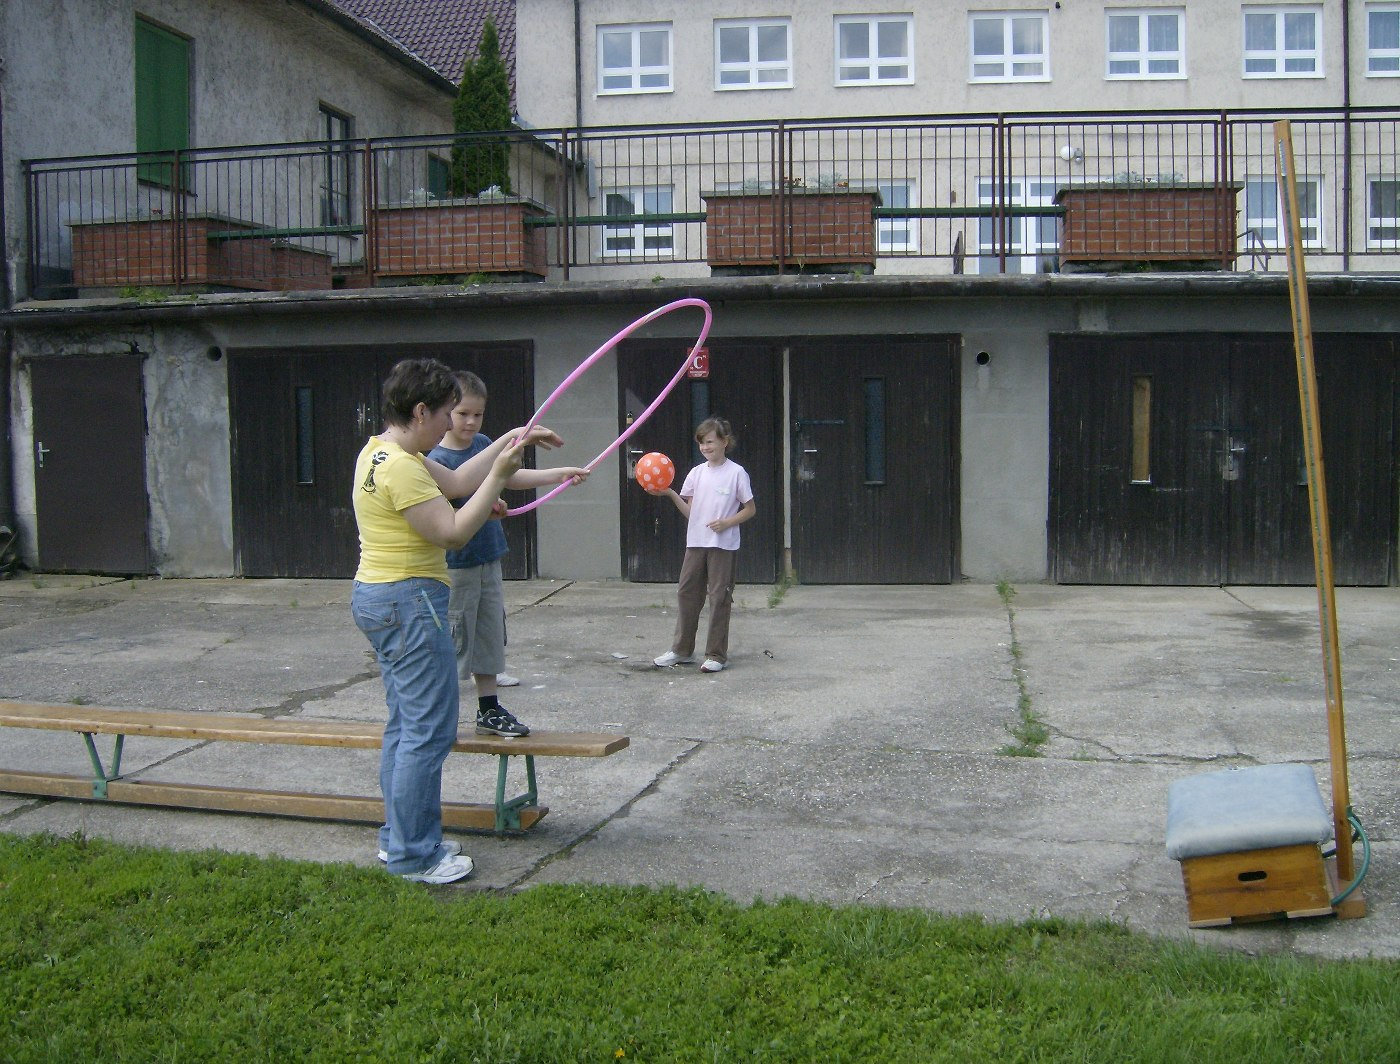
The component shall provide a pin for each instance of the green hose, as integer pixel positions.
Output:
(1358, 833)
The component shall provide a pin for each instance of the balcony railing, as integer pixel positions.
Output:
(986, 194)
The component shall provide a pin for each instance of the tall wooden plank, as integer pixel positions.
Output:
(1317, 497)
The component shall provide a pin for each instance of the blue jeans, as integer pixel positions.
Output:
(406, 623)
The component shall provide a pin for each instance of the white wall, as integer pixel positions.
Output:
(1077, 46)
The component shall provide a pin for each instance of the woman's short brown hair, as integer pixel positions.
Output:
(414, 381)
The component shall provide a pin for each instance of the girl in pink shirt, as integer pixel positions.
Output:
(715, 500)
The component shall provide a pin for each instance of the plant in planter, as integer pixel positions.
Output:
(482, 106)
(1164, 222)
(481, 227)
(825, 226)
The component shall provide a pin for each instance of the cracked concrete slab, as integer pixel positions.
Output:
(852, 753)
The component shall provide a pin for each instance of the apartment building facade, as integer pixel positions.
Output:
(650, 63)
(636, 62)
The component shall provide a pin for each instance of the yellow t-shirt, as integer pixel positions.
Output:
(388, 480)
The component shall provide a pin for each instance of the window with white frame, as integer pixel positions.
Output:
(1031, 242)
(1010, 46)
(1383, 40)
(634, 58)
(1383, 212)
(897, 235)
(1263, 223)
(875, 50)
(1283, 42)
(1147, 44)
(753, 54)
(642, 239)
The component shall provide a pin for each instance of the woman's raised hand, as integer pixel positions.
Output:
(538, 436)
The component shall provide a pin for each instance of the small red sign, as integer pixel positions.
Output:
(699, 366)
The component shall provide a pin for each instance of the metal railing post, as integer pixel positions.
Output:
(564, 243)
(179, 263)
(999, 176)
(783, 203)
(29, 182)
(369, 214)
(1348, 176)
(1223, 200)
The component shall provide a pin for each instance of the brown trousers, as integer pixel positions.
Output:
(705, 572)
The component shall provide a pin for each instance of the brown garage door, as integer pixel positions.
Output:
(1178, 459)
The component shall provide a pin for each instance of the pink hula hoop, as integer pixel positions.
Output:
(583, 368)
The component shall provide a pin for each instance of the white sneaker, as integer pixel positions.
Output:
(711, 665)
(670, 658)
(450, 847)
(448, 870)
(505, 679)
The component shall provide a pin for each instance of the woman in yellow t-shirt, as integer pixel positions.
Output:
(400, 595)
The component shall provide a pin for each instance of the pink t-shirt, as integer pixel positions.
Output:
(714, 492)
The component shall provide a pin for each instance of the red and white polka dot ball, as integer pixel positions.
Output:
(655, 471)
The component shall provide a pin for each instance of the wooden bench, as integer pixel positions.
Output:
(107, 784)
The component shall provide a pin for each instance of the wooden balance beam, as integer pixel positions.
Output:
(107, 783)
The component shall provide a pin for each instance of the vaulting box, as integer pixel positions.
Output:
(1249, 842)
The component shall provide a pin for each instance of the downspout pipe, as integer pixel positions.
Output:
(573, 156)
(578, 64)
(7, 485)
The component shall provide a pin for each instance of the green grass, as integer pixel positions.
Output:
(113, 953)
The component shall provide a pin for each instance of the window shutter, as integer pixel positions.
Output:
(162, 97)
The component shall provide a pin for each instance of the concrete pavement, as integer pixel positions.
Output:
(852, 753)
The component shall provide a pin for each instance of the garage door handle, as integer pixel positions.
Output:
(805, 422)
(42, 450)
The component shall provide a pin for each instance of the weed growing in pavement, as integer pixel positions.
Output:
(780, 589)
(1028, 730)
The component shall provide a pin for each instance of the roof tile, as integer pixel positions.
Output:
(442, 33)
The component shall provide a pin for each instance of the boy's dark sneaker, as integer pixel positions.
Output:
(499, 721)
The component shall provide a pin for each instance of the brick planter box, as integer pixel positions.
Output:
(458, 237)
(824, 228)
(160, 251)
(1174, 224)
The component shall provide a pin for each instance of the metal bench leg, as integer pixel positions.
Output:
(100, 776)
(508, 812)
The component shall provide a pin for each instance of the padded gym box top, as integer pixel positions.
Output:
(1254, 808)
